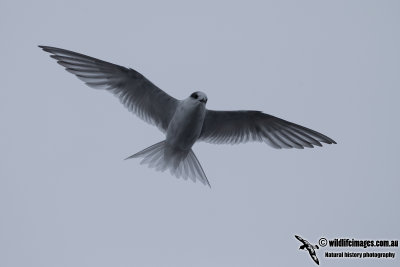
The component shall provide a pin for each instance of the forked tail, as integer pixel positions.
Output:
(181, 163)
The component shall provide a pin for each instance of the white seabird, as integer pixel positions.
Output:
(183, 121)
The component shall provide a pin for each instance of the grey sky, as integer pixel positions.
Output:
(67, 198)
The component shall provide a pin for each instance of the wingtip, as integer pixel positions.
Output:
(205, 182)
(49, 49)
(330, 142)
(130, 157)
(44, 48)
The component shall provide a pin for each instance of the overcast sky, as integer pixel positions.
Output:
(67, 197)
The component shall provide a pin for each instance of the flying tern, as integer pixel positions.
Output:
(186, 121)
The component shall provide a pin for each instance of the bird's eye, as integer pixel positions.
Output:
(194, 95)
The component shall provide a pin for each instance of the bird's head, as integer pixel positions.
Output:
(199, 96)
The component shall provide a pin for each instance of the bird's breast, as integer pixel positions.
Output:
(185, 126)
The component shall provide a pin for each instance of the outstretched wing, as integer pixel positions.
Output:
(135, 92)
(314, 256)
(305, 242)
(233, 127)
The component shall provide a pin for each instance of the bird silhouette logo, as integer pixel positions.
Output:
(311, 248)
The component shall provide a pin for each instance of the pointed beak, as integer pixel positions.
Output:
(204, 100)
